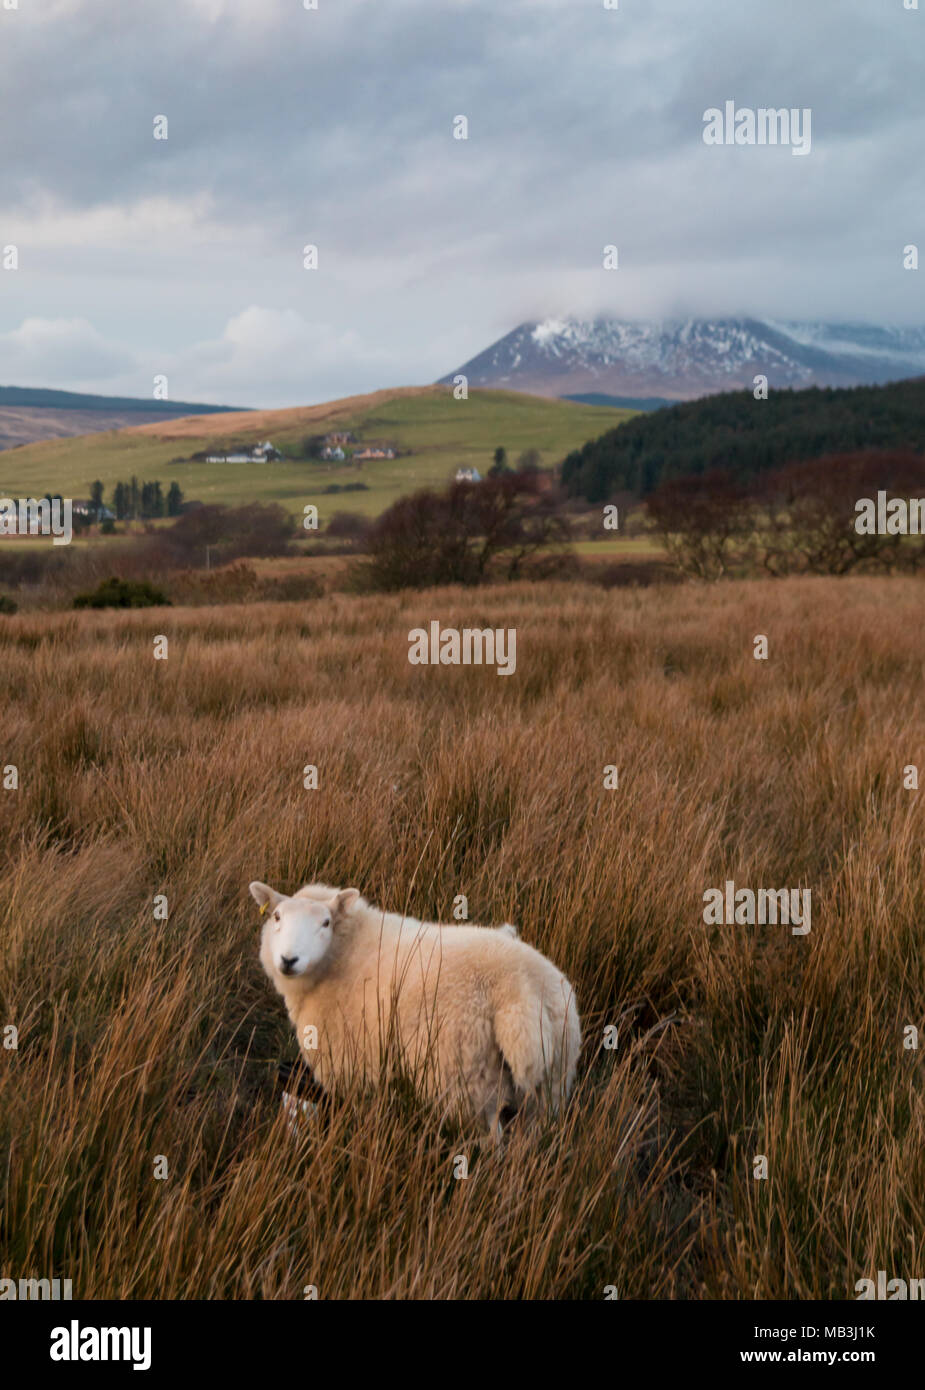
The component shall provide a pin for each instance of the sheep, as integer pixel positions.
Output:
(487, 1025)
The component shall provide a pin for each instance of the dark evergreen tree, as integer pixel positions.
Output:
(744, 437)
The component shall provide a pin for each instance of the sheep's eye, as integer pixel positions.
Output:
(326, 922)
(275, 916)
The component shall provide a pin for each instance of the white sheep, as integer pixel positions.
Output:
(485, 1023)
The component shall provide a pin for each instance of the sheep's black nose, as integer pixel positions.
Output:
(287, 962)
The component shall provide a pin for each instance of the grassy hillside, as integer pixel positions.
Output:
(736, 433)
(140, 1038)
(441, 432)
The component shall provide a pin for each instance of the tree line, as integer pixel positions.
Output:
(745, 438)
(804, 518)
(138, 500)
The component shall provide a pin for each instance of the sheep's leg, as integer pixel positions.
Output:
(500, 1105)
(298, 1113)
(496, 1131)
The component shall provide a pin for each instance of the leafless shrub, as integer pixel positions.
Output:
(808, 513)
(705, 522)
(508, 526)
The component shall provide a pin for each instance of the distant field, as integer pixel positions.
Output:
(441, 432)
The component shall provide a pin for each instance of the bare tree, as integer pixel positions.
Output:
(505, 526)
(705, 522)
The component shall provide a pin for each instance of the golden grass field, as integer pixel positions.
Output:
(140, 1038)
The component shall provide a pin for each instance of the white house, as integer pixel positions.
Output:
(265, 451)
(89, 512)
(259, 453)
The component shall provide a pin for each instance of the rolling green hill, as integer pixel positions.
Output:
(441, 434)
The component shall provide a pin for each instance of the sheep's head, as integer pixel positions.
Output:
(297, 932)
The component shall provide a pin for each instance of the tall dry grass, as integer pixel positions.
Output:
(140, 1038)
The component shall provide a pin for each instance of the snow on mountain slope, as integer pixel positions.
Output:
(685, 358)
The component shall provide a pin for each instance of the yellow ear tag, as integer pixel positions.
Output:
(265, 908)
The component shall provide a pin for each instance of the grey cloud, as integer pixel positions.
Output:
(333, 126)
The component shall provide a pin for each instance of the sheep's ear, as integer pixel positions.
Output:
(264, 896)
(343, 901)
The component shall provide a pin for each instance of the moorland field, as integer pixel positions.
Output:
(142, 1040)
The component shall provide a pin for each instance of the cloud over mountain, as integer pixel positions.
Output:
(334, 126)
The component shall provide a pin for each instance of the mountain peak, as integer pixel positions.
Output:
(689, 357)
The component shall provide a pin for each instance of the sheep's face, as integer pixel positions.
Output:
(297, 932)
(296, 936)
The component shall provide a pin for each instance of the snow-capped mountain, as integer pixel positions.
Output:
(685, 358)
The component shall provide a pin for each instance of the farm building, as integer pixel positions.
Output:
(373, 452)
(258, 453)
(89, 511)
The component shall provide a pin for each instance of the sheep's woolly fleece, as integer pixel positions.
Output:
(483, 1022)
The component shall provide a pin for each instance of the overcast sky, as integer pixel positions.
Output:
(334, 126)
